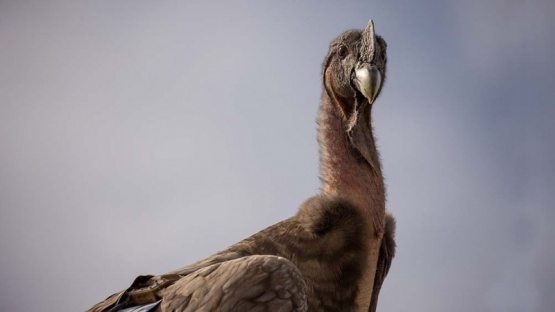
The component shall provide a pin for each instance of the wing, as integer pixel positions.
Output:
(387, 252)
(253, 283)
(264, 271)
(120, 300)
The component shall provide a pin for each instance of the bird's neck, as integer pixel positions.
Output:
(344, 171)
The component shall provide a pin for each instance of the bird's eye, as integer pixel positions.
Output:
(342, 52)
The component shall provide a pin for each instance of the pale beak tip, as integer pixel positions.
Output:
(368, 81)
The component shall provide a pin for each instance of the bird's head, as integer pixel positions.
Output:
(354, 71)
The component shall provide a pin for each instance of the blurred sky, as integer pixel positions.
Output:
(140, 136)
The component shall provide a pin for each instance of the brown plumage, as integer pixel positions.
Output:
(334, 254)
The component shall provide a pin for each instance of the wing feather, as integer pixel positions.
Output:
(387, 252)
(252, 283)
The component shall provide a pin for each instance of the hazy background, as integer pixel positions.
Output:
(137, 137)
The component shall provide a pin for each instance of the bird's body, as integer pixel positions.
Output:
(335, 252)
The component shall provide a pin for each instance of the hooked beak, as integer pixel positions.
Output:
(367, 78)
(368, 81)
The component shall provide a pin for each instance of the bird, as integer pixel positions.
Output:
(335, 252)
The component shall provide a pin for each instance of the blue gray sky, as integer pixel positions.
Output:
(140, 136)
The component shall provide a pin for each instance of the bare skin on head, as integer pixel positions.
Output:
(334, 254)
